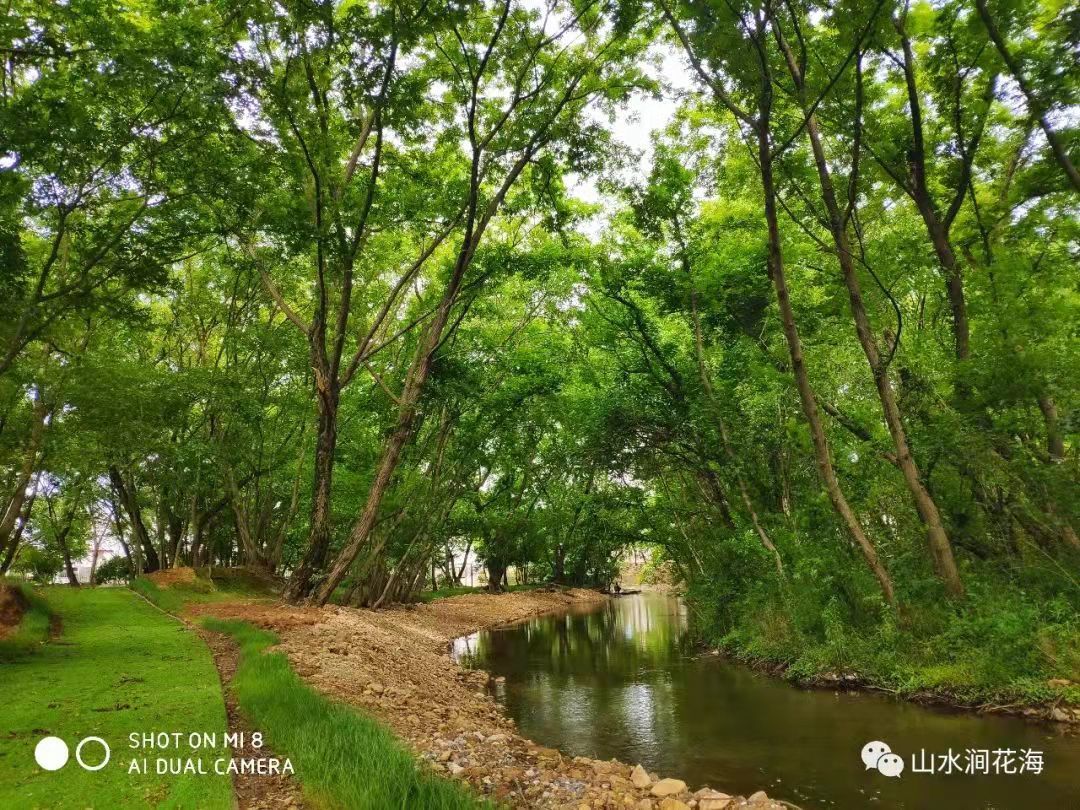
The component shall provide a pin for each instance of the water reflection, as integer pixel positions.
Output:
(620, 680)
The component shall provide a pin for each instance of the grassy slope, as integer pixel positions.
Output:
(32, 630)
(119, 666)
(344, 758)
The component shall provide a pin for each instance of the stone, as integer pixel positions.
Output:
(376, 687)
(639, 777)
(445, 755)
(673, 804)
(668, 787)
(709, 793)
(759, 796)
(455, 769)
(714, 804)
(496, 738)
(1060, 715)
(644, 804)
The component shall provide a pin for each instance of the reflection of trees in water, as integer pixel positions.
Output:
(626, 640)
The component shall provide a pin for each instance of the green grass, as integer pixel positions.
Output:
(343, 758)
(173, 599)
(998, 646)
(34, 627)
(119, 666)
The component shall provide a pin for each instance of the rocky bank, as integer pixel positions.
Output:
(395, 664)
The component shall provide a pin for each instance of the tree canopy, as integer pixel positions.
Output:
(353, 292)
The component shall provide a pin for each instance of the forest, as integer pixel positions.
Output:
(358, 293)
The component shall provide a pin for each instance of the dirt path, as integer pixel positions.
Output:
(395, 664)
(253, 792)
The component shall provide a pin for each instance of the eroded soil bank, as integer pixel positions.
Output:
(395, 664)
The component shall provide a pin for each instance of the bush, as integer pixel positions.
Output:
(113, 571)
(40, 565)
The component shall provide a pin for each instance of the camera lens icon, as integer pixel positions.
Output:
(52, 754)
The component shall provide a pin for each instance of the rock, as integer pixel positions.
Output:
(673, 804)
(496, 738)
(714, 804)
(639, 777)
(668, 787)
(1060, 715)
(759, 796)
(376, 687)
(501, 679)
(455, 769)
(644, 804)
(445, 755)
(709, 793)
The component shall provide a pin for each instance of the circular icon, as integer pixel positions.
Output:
(100, 765)
(51, 753)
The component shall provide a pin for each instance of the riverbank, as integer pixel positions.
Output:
(908, 666)
(394, 664)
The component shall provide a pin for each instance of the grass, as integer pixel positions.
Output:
(173, 598)
(343, 758)
(34, 627)
(119, 666)
(994, 648)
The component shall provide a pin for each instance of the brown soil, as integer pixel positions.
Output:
(171, 577)
(395, 665)
(12, 607)
(253, 792)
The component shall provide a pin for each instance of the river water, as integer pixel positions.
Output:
(622, 680)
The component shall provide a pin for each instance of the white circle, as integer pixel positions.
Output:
(51, 753)
(99, 766)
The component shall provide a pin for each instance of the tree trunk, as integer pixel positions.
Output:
(302, 581)
(940, 546)
(798, 364)
(395, 443)
(1055, 441)
(61, 539)
(26, 472)
(130, 502)
(16, 535)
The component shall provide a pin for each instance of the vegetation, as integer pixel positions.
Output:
(33, 626)
(357, 294)
(112, 672)
(343, 758)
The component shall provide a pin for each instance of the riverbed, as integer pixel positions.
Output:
(621, 679)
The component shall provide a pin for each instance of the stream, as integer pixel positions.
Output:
(621, 679)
